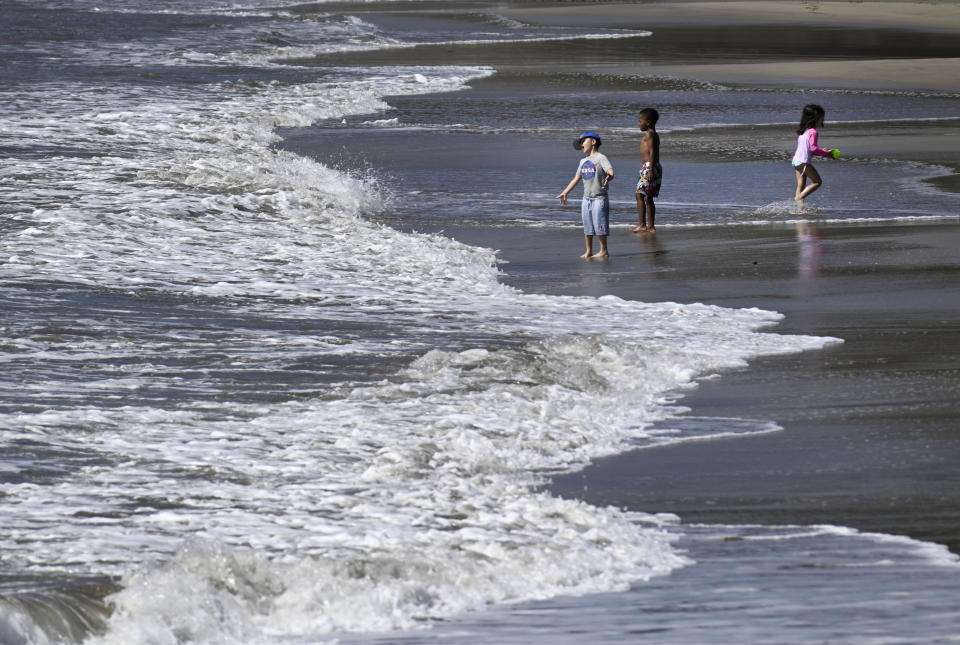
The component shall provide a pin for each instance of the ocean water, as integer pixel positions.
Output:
(248, 395)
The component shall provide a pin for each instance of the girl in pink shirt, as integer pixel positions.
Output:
(810, 120)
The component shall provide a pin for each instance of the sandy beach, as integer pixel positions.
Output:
(869, 427)
(804, 43)
(801, 46)
(929, 15)
(869, 435)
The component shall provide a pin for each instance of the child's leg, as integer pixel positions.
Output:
(651, 213)
(801, 182)
(603, 227)
(641, 213)
(807, 171)
(587, 218)
(602, 253)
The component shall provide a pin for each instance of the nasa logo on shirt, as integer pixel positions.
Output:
(588, 170)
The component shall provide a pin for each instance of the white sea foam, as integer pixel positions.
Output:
(390, 504)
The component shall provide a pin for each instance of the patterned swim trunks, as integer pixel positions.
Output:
(651, 174)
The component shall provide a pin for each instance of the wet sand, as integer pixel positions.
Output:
(871, 427)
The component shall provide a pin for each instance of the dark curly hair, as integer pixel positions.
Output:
(652, 115)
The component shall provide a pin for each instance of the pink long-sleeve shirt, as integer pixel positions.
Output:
(807, 146)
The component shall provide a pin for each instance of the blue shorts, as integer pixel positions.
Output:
(595, 212)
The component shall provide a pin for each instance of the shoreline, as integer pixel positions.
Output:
(830, 45)
(742, 41)
(869, 436)
(862, 444)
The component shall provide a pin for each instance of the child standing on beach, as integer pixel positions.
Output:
(596, 172)
(651, 174)
(810, 120)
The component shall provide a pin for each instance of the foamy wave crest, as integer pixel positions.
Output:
(401, 502)
(189, 188)
(386, 505)
(290, 54)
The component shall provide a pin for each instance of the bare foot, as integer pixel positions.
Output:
(585, 255)
(600, 255)
(639, 228)
(651, 230)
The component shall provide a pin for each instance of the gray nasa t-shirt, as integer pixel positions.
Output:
(593, 171)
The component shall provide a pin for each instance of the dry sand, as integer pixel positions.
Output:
(913, 15)
(898, 73)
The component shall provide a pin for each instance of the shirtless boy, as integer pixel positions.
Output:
(651, 174)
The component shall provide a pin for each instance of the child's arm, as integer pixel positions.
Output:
(566, 191)
(816, 149)
(646, 147)
(609, 177)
